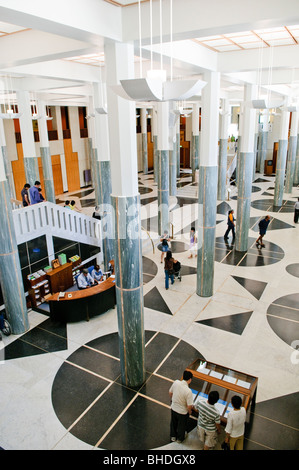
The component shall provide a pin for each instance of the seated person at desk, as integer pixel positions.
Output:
(85, 280)
(97, 274)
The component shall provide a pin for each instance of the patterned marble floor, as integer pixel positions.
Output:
(61, 388)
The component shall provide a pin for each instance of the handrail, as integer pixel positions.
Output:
(153, 245)
(46, 218)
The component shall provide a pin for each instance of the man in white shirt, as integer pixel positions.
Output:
(296, 211)
(235, 426)
(85, 280)
(181, 406)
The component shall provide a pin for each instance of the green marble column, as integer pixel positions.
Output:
(280, 172)
(222, 169)
(48, 174)
(129, 289)
(31, 170)
(9, 173)
(291, 162)
(163, 191)
(264, 146)
(243, 202)
(195, 155)
(207, 203)
(103, 200)
(10, 268)
(156, 164)
(172, 171)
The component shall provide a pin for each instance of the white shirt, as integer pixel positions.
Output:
(182, 396)
(84, 281)
(235, 426)
(297, 206)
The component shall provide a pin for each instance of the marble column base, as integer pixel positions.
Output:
(243, 201)
(48, 174)
(222, 169)
(207, 204)
(31, 170)
(163, 191)
(10, 268)
(291, 165)
(129, 289)
(280, 172)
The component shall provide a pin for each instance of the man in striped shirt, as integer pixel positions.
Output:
(208, 423)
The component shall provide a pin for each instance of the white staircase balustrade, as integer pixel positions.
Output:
(46, 218)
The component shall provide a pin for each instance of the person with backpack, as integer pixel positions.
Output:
(230, 225)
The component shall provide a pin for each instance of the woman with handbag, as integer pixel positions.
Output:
(168, 269)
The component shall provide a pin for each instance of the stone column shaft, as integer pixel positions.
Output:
(143, 119)
(264, 140)
(119, 59)
(281, 159)
(222, 158)
(28, 144)
(291, 162)
(7, 162)
(163, 165)
(45, 153)
(207, 197)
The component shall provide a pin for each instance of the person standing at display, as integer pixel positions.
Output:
(34, 193)
(181, 406)
(263, 225)
(208, 422)
(230, 225)
(296, 211)
(25, 195)
(235, 426)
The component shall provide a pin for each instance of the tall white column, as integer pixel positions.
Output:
(281, 158)
(143, 119)
(292, 153)
(7, 162)
(264, 140)
(163, 165)
(195, 140)
(28, 145)
(223, 141)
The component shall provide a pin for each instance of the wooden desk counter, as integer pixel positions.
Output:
(83, 304)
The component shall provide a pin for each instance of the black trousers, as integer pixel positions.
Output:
(178, 425)
(296, 216)
(230, 228)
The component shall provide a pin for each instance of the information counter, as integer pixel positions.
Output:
(208, 376)
(83, 304)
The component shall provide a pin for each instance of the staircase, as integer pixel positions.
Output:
(51, 219)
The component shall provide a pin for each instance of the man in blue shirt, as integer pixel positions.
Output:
(34, 193)
(263, 225)
(97, 274)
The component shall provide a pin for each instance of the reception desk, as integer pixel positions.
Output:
(83, 304)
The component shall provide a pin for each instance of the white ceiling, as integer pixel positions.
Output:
(59, 53)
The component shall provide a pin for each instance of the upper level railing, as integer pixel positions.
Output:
(52, 219)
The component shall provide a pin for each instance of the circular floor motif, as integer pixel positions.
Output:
(225, 253)
(282, 316)
(293, 269)
(89, 399)
(267, 205)
(176, 247)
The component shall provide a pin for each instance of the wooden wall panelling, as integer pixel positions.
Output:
(57, 175)
(150, 152)
(72, 166)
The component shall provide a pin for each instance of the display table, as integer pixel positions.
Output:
(228, 382)
(83, 304)
(61, 278)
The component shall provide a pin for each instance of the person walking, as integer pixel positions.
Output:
(193, 242)
(235, 426)
(230, 225)
(25, 195)
(263, 225)
(208, 421)
(296, 211)
(34, 193)
(164, 241)
(181, 406)
(168, 269)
